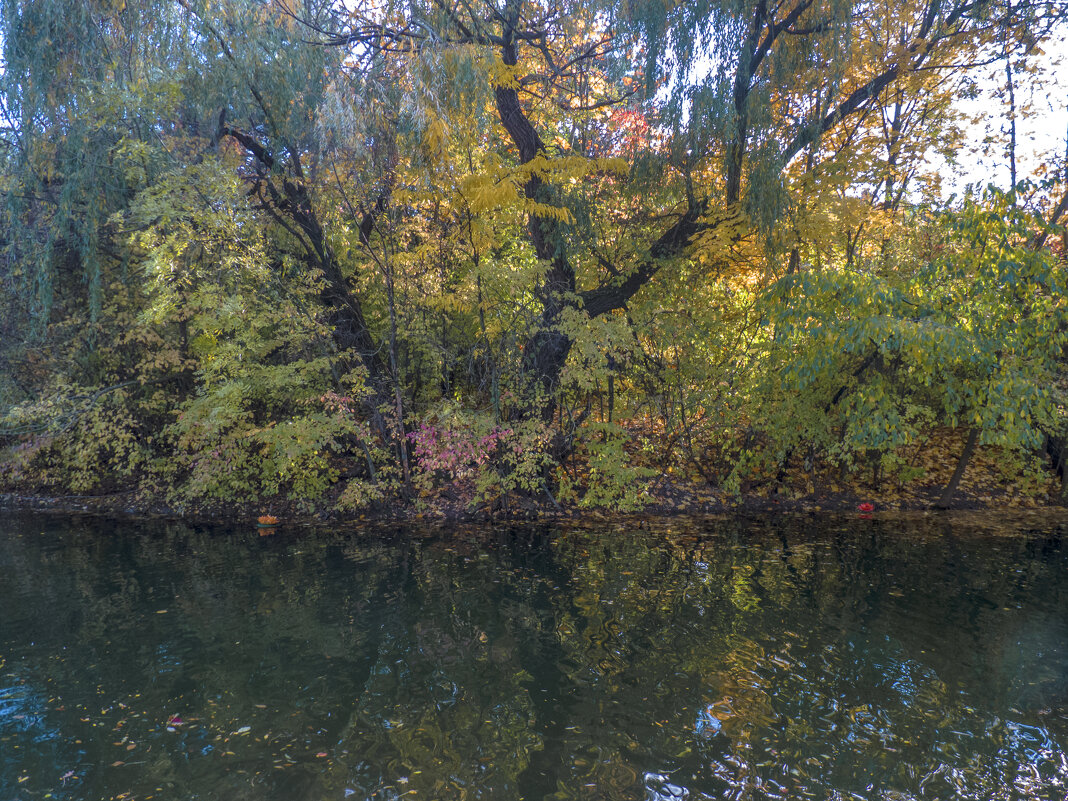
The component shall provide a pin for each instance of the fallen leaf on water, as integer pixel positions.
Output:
(321, 754)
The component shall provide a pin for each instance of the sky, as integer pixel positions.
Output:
(1041, 122)
(1039, 136)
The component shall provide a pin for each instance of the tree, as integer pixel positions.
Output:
(392, 244)
(969, 338)
(738, 128)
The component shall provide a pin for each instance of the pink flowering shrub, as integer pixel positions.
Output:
(454, 447)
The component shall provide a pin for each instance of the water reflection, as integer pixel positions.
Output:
(741, 661)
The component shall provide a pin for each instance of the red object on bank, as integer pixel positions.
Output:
(865, 507)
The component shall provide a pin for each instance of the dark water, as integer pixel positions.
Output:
(793, 660)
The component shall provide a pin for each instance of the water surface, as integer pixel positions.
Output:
(848, 659)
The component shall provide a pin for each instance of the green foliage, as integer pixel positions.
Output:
(524, 464)
(76, 441)
(612, 480)
(261, 421)
(248, 252)
(865, 361)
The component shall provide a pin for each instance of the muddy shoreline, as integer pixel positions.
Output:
(676, 504)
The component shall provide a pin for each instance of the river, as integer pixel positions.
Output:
(808, 658)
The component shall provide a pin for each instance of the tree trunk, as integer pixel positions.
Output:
(962, 464)
(1057, 449)
(291, 207)
(1010, 86)
(545, 353)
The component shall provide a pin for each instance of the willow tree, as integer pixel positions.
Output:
(116, 119)
(88, 92)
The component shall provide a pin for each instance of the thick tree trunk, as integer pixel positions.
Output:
(545, 353)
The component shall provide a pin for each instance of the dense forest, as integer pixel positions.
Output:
(348, 255)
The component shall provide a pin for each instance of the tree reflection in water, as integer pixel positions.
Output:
(733, 660)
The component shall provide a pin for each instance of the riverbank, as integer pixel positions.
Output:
(994, 480)
(668, 500)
